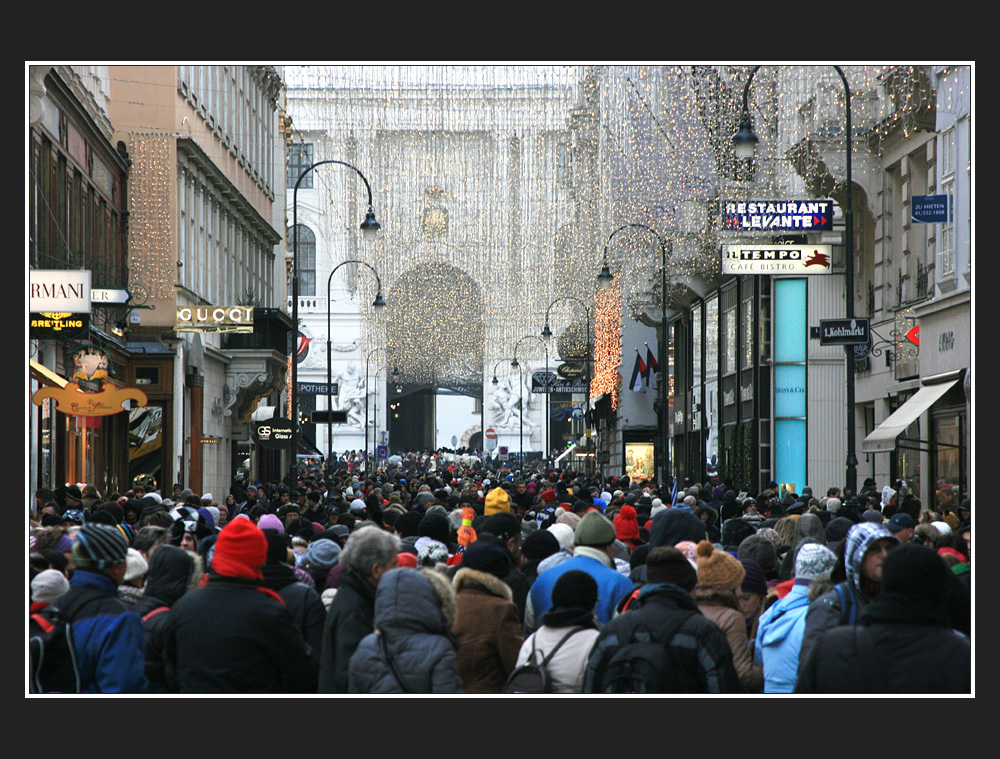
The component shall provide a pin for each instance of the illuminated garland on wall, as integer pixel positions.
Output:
(151, 226)
(608, 342)
(516, 175)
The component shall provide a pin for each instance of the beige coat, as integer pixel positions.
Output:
(723, 609)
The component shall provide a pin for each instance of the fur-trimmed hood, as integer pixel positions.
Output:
(415, 601)
(715, 597)
(466, 579)
(445, 592)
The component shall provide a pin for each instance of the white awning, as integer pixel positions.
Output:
(263, 413)
(883, 437)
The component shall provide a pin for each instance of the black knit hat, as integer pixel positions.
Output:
(915, 570)
(434, 526)
(539, 545)
(575, 589)
(99, 547)
(735, 531)
(502, 524)
(486, 556)
(667, 564)
(408, 524)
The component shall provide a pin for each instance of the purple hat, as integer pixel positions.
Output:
(271, 522)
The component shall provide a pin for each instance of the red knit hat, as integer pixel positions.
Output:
(240, 550)
(549, 495)
(626, 524)
(406, 559)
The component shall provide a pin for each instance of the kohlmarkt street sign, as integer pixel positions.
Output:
(776, 259)
(318, 388)
(844, 331)
(548, 382)
(780, 215)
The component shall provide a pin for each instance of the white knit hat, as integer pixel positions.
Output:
(563, 533)
(135, 565)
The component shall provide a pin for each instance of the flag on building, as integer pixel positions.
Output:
(639, 372)
(651, 367)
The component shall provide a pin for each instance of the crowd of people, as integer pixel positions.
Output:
(467, 579)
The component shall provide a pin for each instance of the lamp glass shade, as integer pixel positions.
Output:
(370, 226)
(605, 278)
(745, 142)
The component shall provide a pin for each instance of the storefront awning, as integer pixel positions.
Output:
(44, 375)
(883, 438)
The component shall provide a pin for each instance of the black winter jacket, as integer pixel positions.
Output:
(897, 647)
(349, 619)
(169, 577)
(303, 603)
(699, 646)
(235, 636)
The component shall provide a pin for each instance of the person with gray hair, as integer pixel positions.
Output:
(369, 553)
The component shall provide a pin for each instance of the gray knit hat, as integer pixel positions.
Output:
(594, 529)
(322, 554)
(814, 561)
(760, 549)
(48, 585)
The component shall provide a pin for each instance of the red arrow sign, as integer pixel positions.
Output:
(819, 221)
(913, 335)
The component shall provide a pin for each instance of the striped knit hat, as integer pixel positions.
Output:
(98, 547)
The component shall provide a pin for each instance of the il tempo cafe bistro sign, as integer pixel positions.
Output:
(214, 319)
(776, 259)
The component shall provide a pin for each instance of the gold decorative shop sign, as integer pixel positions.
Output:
(214, 319)
(75, 402)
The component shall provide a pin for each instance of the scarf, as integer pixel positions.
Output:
(568, 616)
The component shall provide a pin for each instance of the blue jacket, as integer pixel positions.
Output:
(612, 587)
(108, 638)
(779, 639)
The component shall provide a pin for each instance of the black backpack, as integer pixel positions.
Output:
(532, 676)
(53, 664)
(644, 662)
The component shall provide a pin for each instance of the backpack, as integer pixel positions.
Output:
(53, 658)
(52, 654)
(532, 676)
(644, 662)
(848, 610)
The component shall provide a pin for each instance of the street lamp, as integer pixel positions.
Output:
(744, 142)
(547, 333)
(369, 229)
(378, 304)
(604, 281)
(367, 360)
(515, 363)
